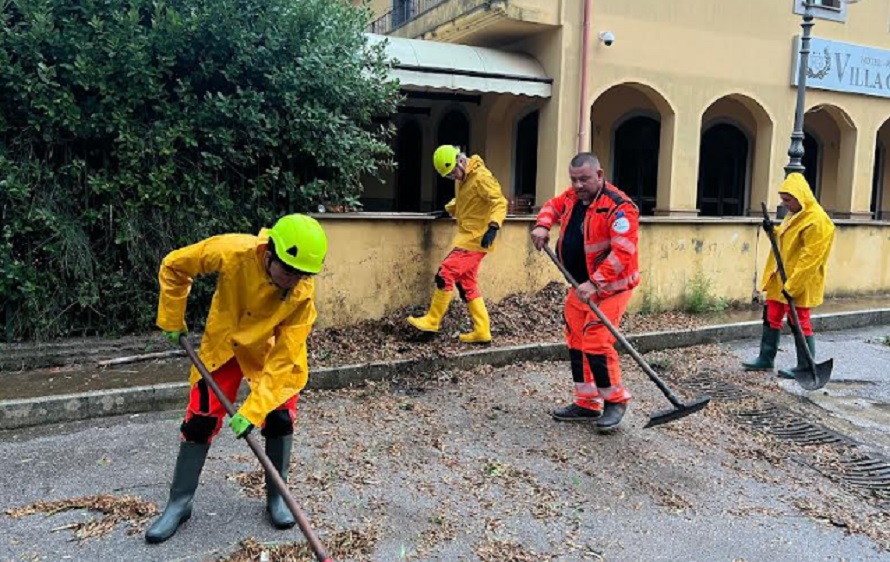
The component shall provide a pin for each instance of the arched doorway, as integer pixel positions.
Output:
(835, 132)
(877, 182)
(624, 114)
(635, 169)
(526, 156)
(454, 128)
(723, 171)
(409, 141)
(811, 158)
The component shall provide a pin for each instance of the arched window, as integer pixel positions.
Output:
(812, 156)
(877, 191)
(454, 128)
(636, 145)
(723, 171)
(409, 142)
(526, 155)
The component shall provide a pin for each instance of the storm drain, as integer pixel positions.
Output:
(706, 383)
(865, 472)
(789, 426)
(869, 473)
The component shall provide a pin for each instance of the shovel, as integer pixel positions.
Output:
(815, 375)
(680, 409)
(271, 472)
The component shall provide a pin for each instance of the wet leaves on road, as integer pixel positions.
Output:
(114, 509)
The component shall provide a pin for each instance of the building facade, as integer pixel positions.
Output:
(688, 103)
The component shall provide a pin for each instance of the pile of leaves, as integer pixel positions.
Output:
(345, 545)
(124, 509)
(525, 318)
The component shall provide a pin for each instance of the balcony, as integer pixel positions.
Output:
(476, 22)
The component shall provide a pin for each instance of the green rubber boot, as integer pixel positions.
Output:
(769, 347)
(278, 450)
(189, 464)
(802, 362)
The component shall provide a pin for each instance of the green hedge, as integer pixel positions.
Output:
(131, 127)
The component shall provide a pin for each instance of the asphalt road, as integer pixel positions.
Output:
(859, 390)
(463, 466)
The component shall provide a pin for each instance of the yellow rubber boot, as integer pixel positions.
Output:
(481, 324)
(433, 318)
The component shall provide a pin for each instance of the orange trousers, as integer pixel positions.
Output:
(596, 370)
(776, 312)
(205, 413)
(460, 269)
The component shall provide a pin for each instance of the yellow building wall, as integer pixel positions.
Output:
(378, 265)
(694, 53)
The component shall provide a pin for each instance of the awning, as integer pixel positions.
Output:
(430, 66)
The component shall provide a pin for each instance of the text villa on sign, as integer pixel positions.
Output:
(844, 67)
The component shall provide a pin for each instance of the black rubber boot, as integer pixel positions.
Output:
(769, 347)
(278, 450)
(802, 362)
(189, 464)
(576, 413)
(612, 416)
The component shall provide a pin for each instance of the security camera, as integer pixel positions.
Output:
(607, 37)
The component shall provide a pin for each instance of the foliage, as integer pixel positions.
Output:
(131, 127)
(698, 298)
(652, 303)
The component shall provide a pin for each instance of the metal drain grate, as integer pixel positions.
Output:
(786, 425)
(705, 383)
(866, 472)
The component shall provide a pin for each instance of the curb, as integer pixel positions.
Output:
(17, 414)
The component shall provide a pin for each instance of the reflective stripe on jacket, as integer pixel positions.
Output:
(611, 236)
(250, 319)
(478, 203)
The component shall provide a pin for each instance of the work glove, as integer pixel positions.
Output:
(240, 425)
(173, 337)
(489, 235)
(440, 214)
(767, 224)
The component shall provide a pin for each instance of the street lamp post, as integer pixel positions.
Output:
(796, 151)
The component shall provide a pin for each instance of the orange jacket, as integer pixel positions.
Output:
(611, 234)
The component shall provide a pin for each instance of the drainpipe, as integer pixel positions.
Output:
(583, 116)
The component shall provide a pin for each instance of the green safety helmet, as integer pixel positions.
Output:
(300, 242)
(445, 159)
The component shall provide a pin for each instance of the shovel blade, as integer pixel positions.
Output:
(667, 416)
(811, 380)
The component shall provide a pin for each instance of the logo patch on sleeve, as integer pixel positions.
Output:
(621, 225)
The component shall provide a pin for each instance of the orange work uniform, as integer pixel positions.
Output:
(597, 243)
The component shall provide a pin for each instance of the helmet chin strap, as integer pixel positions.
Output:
(267, 266)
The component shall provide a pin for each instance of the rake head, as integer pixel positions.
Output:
(667, 416)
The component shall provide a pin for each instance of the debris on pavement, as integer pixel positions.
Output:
(345, 545)
(393, 435)
(518, 319)
(116, 509)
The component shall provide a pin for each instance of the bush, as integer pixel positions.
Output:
(697, 297)
(131, 127)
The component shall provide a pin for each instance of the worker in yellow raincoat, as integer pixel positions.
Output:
(480, 209)
(259, 320)
(804, 239)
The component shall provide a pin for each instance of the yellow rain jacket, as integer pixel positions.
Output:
(804, 239)
(479, 202)
(250, 318)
